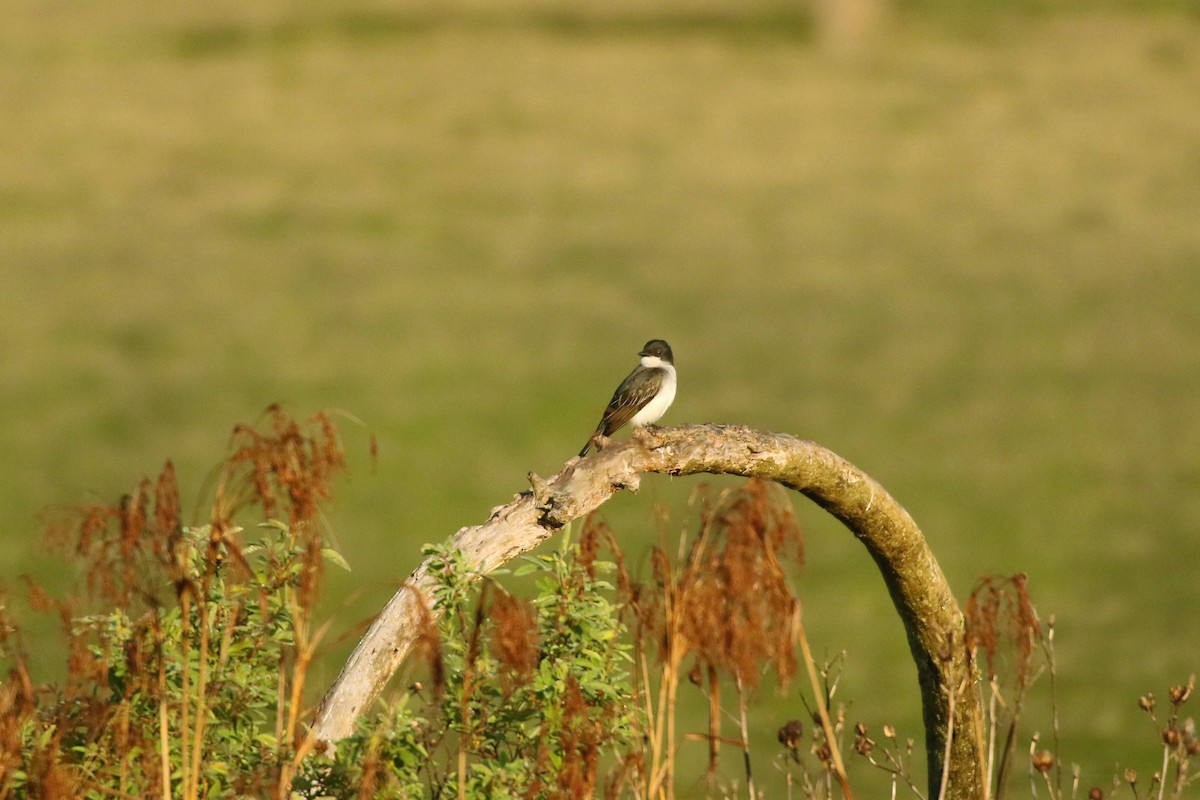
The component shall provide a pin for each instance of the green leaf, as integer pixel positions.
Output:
(334, 557)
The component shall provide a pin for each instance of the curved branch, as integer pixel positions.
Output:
(951, 704)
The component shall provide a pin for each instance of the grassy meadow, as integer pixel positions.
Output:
(964, 255)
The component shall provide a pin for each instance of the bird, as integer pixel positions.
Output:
(643, 397)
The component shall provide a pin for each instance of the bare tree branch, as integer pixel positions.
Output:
(914, 580)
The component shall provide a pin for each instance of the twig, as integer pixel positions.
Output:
(185, 699)
(835, 754)
(949, 742)
(745, 727)
(993, 700)
(1048, 647)
(164, 747)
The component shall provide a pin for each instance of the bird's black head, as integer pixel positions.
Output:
(659, 348)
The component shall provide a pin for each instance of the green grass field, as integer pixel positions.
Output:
(966, 257)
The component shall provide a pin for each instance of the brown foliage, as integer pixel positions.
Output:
(514, 643)
(135, 558)
(739, 601)
(1000, 618)
(728, 603)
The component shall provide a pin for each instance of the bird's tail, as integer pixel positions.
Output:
(592, 439)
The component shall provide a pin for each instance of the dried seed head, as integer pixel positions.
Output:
(736, 584)
(863, 744)
(1131, 776)
(822, 753)
(514, 642)
(1146, 703)
(1043, 760)
(1190, 743)
(1095, 793)
(792, 734)
(1170, 736)
(1180, 694)
(1000, 617)
(889, 731)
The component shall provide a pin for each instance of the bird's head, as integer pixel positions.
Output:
(657, 348)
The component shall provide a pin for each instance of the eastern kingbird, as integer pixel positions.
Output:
(643, 397)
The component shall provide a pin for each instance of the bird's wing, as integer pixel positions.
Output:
(631, 396)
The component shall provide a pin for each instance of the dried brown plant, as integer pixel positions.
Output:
(1001, 622)
(728, 604)
(136, 560)
(514, 642)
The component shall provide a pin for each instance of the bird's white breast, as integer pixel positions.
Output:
(653, 411)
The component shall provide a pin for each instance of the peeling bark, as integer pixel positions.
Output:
(930, 615)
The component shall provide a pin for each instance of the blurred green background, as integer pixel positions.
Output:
(957, 243)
